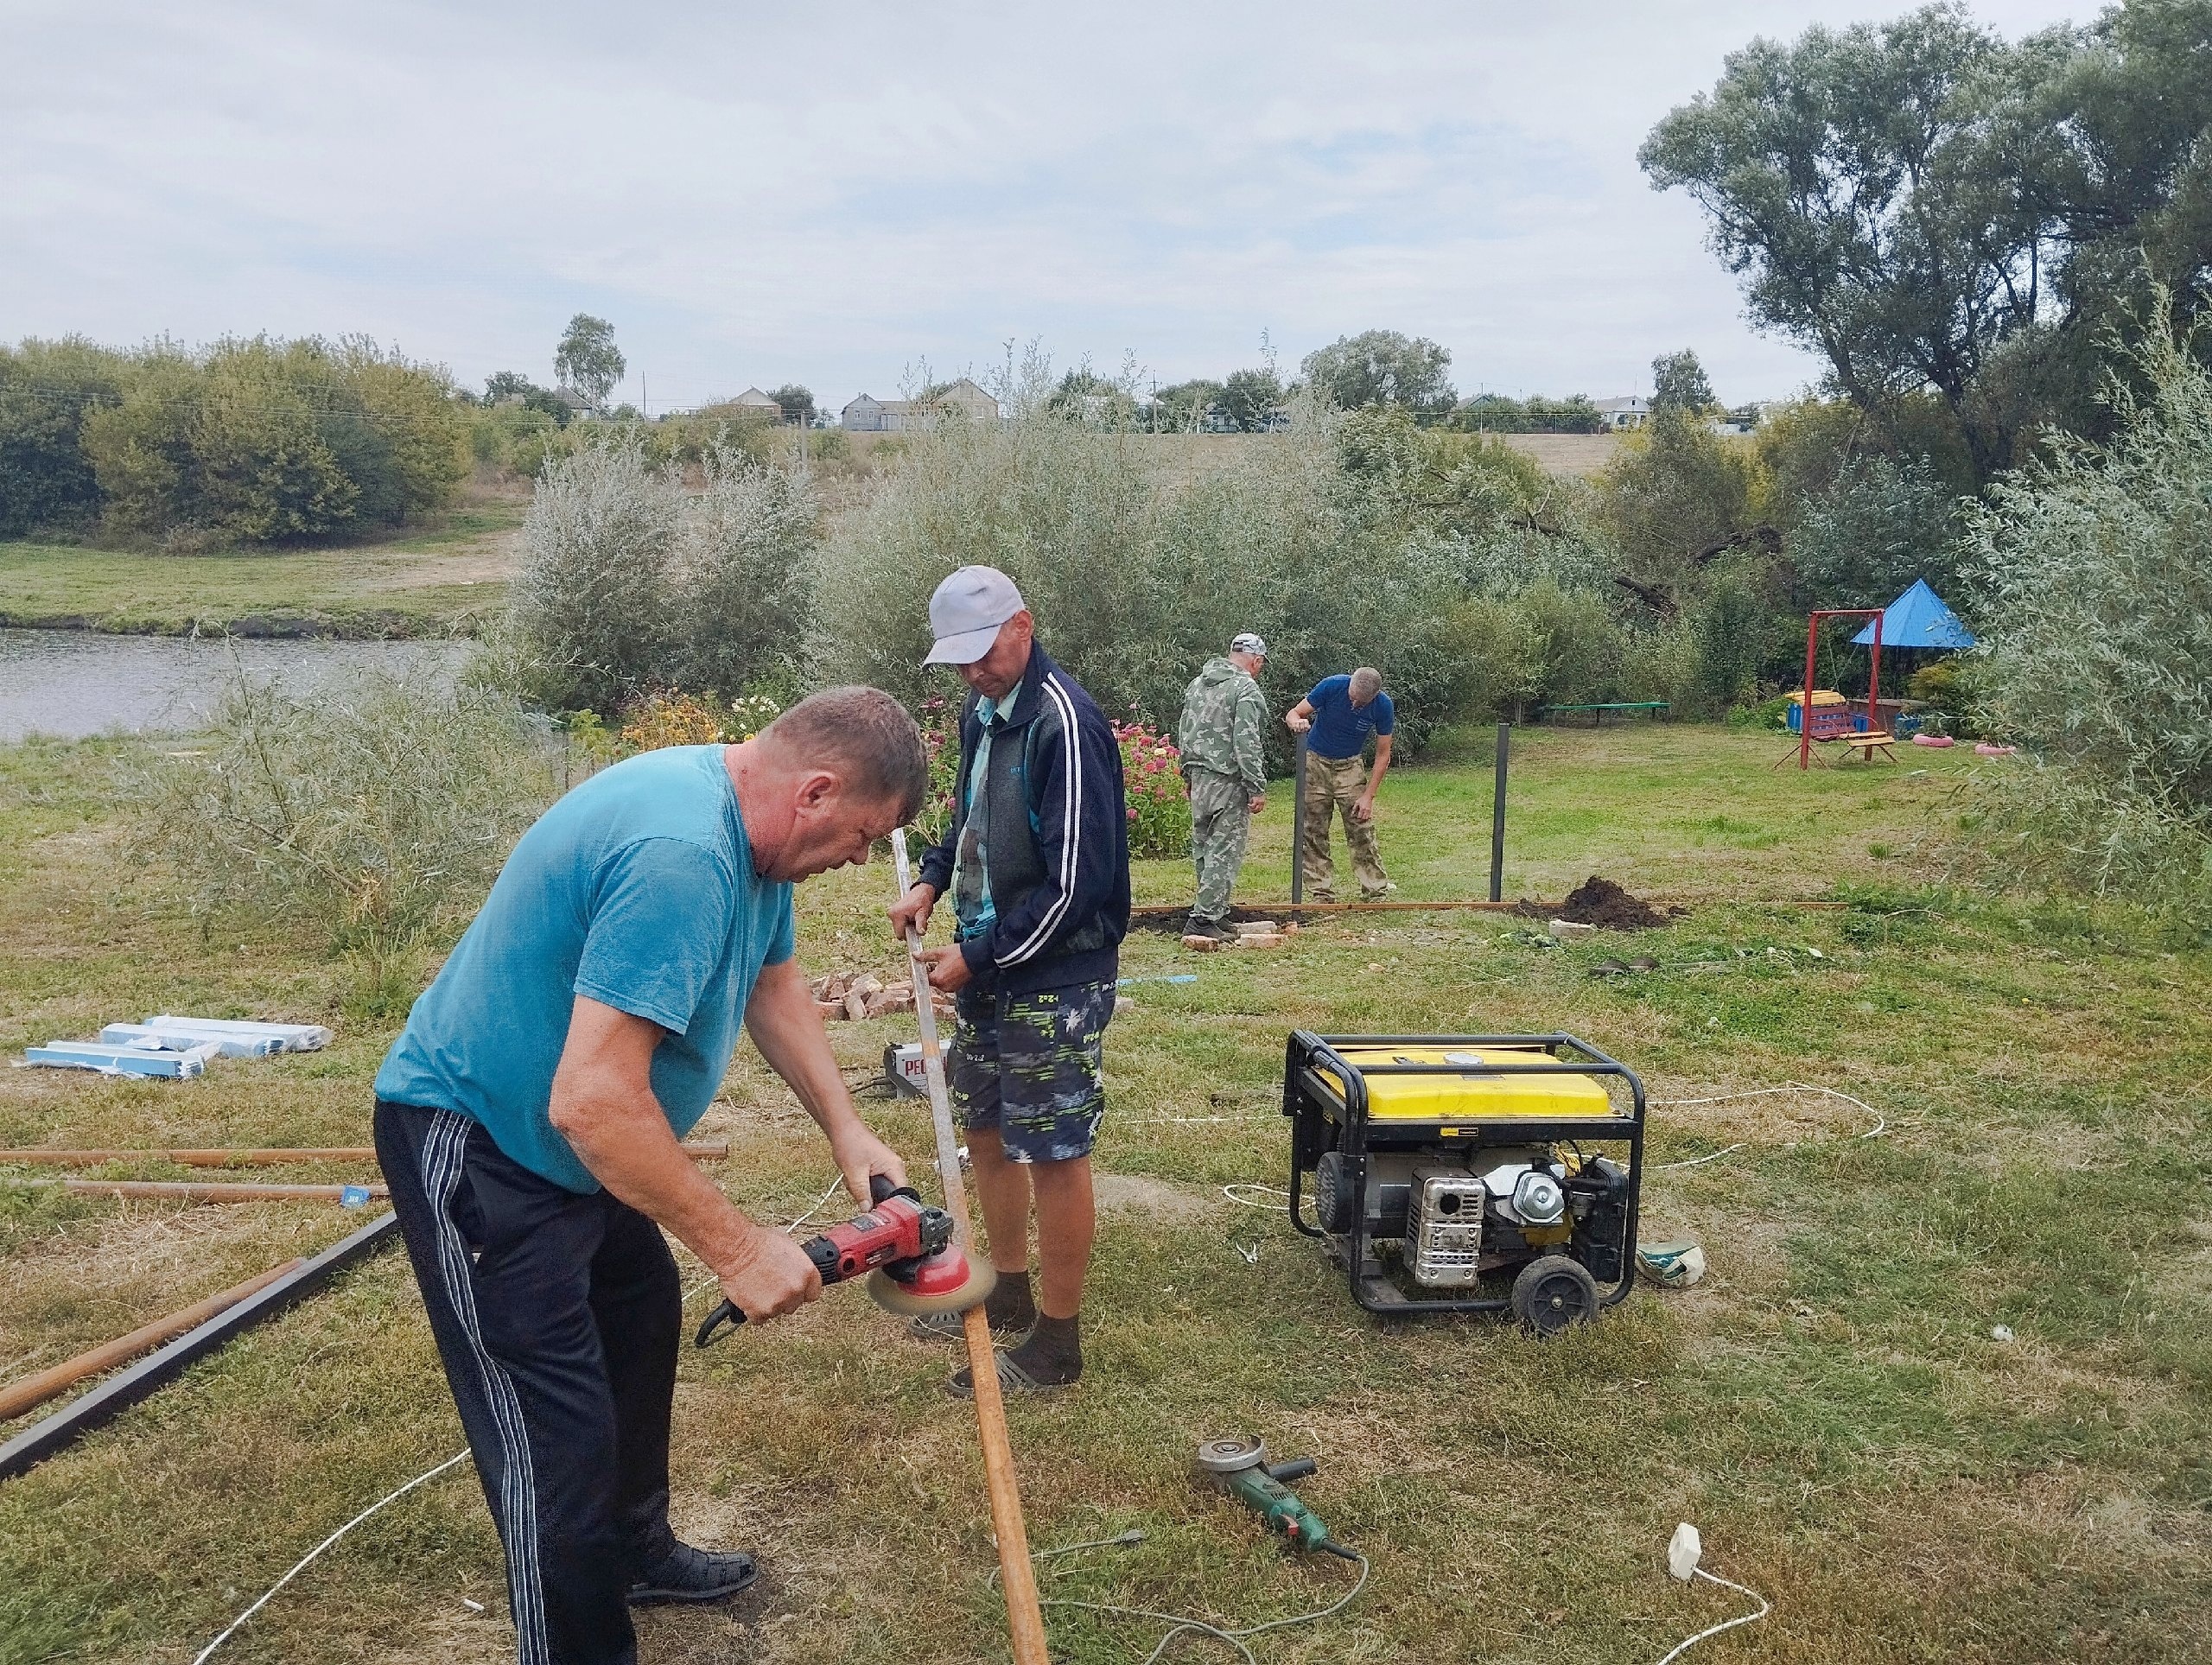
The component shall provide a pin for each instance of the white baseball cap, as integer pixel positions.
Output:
(966, 613)
(1250, 642)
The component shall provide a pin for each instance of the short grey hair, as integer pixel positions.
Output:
(866, 735)
(1366, 684)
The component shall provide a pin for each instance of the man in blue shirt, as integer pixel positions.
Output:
(528, 1118)
(1336, 718)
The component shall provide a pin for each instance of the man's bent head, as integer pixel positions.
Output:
(1366, 684)
(982, 629)
(837, 771)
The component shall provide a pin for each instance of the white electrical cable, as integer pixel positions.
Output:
(1183, 1622)
(1658, 1167)
(301, 1566)
(1682, 1648)
(432, 1474)
(1881, 1122)
(1229, 1192)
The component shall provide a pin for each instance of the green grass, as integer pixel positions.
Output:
(430, 582)
(1829, 1405)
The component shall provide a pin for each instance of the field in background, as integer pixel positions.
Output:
(444, 580)
(1829, 1405)
(429, 583)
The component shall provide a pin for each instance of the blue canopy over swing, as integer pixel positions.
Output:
(1918, 618)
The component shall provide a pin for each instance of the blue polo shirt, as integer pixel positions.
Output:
(637, 890)
(1340, 729)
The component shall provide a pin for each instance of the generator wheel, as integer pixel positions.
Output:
(1555, 1294)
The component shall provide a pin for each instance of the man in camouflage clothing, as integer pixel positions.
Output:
(1224, 716)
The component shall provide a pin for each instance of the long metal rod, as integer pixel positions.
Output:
(1498, 814)
(20, 1395)
(81, 1416)
(194, 1192)
(1024, 1618)
(1298, 825)
(713, 1150)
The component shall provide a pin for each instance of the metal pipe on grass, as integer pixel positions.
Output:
(707, 1150)
(1025, 1617)
(19, 1396)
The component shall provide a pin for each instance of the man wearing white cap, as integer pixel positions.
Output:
(1225, 767)
(1037, 860)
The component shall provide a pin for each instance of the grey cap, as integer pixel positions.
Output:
(966, 613)
(1250, 642)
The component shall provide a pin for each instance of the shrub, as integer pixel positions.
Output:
(1137, 576)
(742, 571)
(630, 582)
(47, 388)
(269, 441)
(2095, 566)
(373, 807)
(1159, 801)
(591, 608)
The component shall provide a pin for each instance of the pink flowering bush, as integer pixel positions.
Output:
(1160, 805)
(1160, 808)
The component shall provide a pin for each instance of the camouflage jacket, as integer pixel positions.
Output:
(1223, 717)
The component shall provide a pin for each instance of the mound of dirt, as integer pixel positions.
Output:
(1598, 901)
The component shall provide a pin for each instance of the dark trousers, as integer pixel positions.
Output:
(557, 1316)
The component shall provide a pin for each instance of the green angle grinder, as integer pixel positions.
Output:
(1239, 1465)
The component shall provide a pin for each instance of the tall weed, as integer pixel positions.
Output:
(372, 806)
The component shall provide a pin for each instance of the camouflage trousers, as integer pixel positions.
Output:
(1221, 821)
(1031, 1067)
(1333, 786)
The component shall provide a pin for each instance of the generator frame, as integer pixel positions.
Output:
(1309, 1099)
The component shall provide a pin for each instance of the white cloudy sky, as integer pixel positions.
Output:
(827, 194)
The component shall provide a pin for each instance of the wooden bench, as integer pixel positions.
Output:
(1598, 712)
(1871, 741)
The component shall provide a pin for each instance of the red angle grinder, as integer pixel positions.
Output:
(904, 1245)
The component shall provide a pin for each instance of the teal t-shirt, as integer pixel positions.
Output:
(637, 889)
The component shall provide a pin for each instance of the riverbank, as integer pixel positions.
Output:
(437, 581)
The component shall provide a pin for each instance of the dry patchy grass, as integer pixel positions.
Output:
(1829, 1405)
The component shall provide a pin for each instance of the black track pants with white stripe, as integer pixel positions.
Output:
(558, 1318)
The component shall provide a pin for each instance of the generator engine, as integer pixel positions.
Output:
(1449, 1174)
(1449, 1223)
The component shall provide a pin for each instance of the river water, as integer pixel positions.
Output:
(73, 683)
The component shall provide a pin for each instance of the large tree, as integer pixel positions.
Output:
(1929, 207)
(588, 361)
(1678, 382)
(1380, 366)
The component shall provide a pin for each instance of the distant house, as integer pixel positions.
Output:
(753, 400)
(866, 415)
(1630, 412)
(870, 415)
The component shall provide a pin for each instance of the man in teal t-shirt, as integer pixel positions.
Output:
(528, 1118)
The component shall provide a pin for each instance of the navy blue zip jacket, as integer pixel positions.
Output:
(1057, 828)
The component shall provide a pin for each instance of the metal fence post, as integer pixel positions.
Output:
(1497, 817)
(1298, 825)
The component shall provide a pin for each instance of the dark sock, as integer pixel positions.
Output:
(1052, 1354)
(1010, 1305)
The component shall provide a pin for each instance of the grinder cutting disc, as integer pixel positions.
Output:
(946, 1281)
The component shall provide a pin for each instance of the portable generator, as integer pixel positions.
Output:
(1468, 1173)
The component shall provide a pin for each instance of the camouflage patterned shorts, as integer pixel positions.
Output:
(1029, 1064)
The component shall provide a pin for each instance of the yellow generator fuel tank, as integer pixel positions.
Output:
(1471, 1096)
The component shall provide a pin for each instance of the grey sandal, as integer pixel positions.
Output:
(1013, 1379)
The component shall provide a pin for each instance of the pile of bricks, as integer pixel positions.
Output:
(850, 997)
(1250, 933)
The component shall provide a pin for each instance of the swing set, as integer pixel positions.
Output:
(1838, 721)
